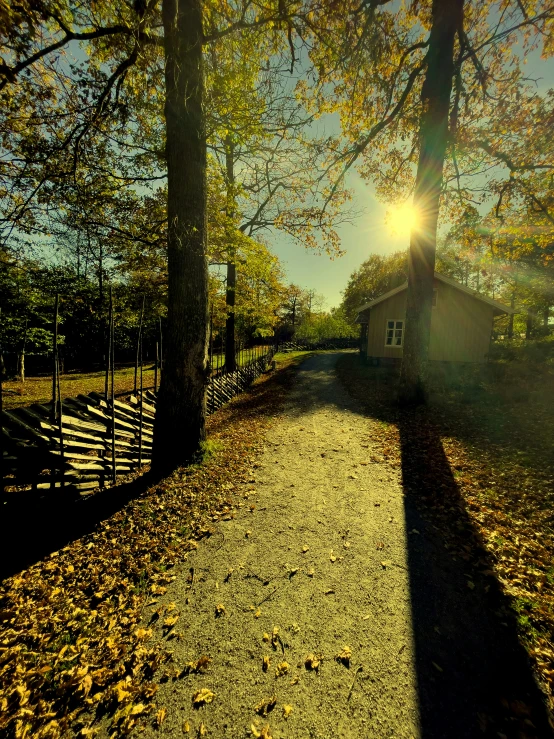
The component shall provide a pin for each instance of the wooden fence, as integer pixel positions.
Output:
(89, 441)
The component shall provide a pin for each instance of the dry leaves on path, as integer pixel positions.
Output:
(73, 644)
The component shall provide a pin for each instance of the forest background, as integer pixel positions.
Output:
(84, 185)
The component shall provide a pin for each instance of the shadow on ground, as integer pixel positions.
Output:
(474, 677)
(32, 527)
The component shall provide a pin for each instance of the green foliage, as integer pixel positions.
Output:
(374, 277)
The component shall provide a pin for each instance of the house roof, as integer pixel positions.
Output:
(499, 308)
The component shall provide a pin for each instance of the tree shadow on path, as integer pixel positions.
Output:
(474, 677)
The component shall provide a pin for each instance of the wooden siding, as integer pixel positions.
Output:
(460, 326)
(394, 307)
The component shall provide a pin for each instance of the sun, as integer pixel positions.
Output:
(401, 219)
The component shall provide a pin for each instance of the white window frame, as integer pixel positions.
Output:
(394, 330)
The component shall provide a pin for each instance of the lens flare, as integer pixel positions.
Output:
(401, 220)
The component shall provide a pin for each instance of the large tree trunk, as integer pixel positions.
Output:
(230, 348)
(447, 18)
(180, 418)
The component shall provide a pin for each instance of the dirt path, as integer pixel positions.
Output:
(319, 550)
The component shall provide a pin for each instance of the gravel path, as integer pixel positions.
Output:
(315, 561)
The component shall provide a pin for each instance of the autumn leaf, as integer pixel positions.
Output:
(263, 733)
(332, 557)
(312, 662)
(287, 710)
(344, 656)
(282, 669)
(170, 621)
(266, 662)
(305, 548)
(219, 610)
(160, 716)
(197, 666)
(266, 706)
(186, 727)
(202, 696)
(202, 731)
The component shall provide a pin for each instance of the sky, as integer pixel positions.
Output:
(368, 233)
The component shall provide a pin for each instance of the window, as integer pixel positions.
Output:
(395, 333)
(435, 293)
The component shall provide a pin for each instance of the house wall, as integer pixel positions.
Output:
(460, 326)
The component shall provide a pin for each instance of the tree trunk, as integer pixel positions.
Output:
(529, 324)
(511, 318)
(447, 18)
(230, 347)
(181, 407)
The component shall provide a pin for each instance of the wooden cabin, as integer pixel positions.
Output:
(461, 323)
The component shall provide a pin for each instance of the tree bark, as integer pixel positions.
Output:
(447, 19)
(529, 324)
(230, 293)
(181, 407)
(511, 318)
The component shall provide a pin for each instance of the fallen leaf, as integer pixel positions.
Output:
(332, 557)
(197, 666)
(312, 662)
(160, 716)
(329, 592)
(470, 584)
(202, 731)
(202, 696)
(346, 545)
(266, 706)
(305, 549)
(282, 669)
(219, 610)
(258, 613)
(170, 621)
(287, 710)
(265, 637)
(344, 656)
(248, 533)
(295, 680)
(263, 733)
(386, 563)
(310, 572)
(186, 727)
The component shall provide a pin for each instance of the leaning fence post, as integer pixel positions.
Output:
(157, 359)
(141, 397)
(109, 354)
(138, 343)
(112, 358)
(2, 466)
(60, 427)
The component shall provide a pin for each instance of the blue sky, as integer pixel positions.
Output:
(368, 234)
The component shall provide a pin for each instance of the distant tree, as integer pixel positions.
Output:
(377, 275)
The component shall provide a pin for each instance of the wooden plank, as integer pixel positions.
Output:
(76, 434)
(79, 423)
(77, 444)
(93, 466)
(73, 455)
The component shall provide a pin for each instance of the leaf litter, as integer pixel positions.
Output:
(72, 646)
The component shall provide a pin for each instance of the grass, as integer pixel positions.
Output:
(39, 389)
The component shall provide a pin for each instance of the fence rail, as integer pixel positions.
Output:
(88, 441)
